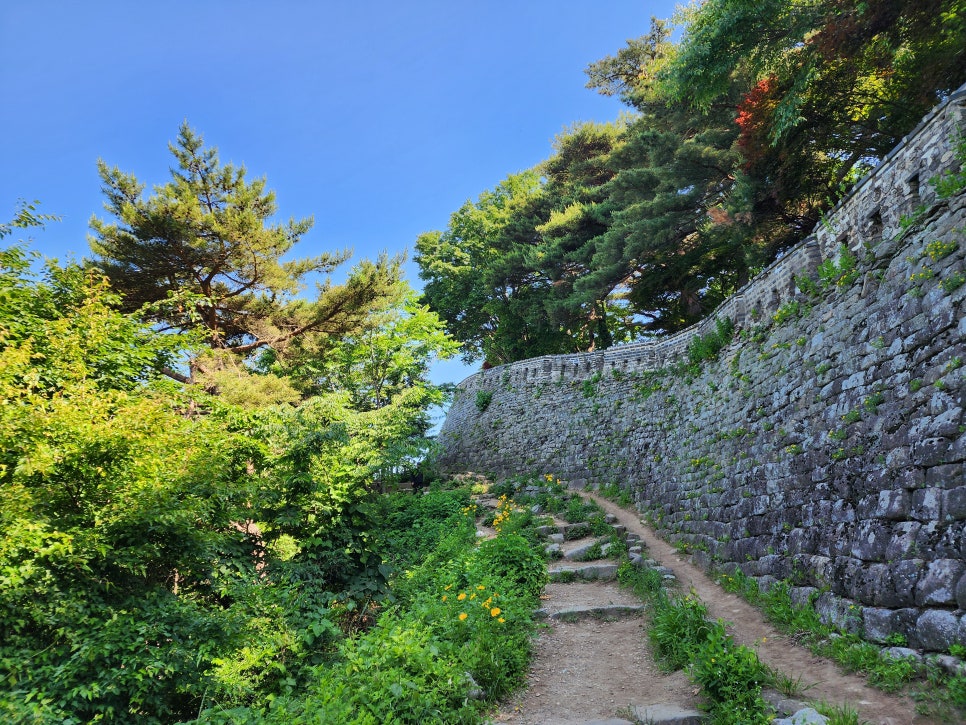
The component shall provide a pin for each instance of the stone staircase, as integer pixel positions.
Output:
(594, 639)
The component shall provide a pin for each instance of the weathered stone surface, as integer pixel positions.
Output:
(937, 629)
(902, 653)
(879, 623)
(590, 573)
(952, 666)
(806, 716)
(938, 585)
(826, 449)
(579, 553)
(604, 610)
(666, 715)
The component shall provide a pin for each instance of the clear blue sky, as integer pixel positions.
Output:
(377, 118)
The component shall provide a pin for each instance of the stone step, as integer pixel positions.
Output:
(605, 610)
(579, 552)
(664, 714)
(592, 572)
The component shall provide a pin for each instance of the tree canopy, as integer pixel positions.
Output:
(740, 135)
(201, 253)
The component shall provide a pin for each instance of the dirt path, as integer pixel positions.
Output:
(593, 668)
(825, 681)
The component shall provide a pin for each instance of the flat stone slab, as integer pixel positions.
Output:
(806, 716)
(594, 572)
(667, 715)
(579, 552)
(609, 721)
(782, 705)
(606, 610)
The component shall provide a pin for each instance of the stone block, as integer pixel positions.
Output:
(806, 716)
(926, 504)
(905, 576)
(667, 715)
(937, 629)
(839, 612)
(878, 623)
(938, 584)
(894, 505)
(954, 504)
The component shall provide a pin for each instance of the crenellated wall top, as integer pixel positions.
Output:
(871, 212)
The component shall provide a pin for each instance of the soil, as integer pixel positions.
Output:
(594, 669)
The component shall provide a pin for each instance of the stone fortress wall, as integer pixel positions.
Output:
(826, 445)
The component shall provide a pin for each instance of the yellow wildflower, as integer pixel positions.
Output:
(501, 620)
(444, 597)
(495, 612)
(480, 588)
(462, 616)
(462, 596)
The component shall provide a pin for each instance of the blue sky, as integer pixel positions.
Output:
(377, 118)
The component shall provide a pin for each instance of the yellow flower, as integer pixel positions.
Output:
(495, 612)
(444, 597)
(480, 588)
(462, 596)
(472, 596)
(501, 620)
(447, 587)
(462, 616)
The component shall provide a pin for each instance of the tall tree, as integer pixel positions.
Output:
(200, 254)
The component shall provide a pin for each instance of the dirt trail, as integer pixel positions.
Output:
(825, 681)
(592, 668)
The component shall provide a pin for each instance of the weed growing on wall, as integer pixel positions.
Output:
(483, 399)
(707, 347)
(951, 183)
(840, 273)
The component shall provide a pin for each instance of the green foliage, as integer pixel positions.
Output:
(953, 282)
(162, 550)
(707, 347)
(511, 559)
(951, 183)
(678, 624)
(589, 386)
(200, 254)
(483, 399)
(787, 311)
(616, 493)
(645, 582)
(413, 525)
(841, 272)
(731, 677)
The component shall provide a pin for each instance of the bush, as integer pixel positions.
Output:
(707, 347)
(510, 559)
(731, 677)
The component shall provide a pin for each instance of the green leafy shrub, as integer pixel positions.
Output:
(677, 625)
(839, 273)
(707, 347)
(731, 677)
(511, 559)
(483, 399)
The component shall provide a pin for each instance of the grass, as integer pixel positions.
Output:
(936, 692)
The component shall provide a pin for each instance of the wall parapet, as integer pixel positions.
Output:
(872, 211)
